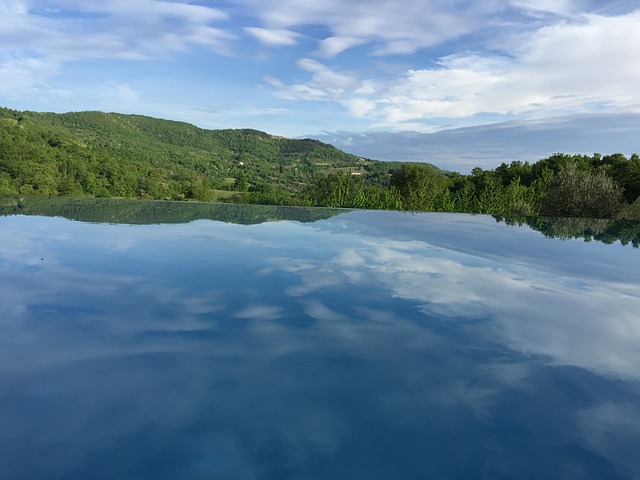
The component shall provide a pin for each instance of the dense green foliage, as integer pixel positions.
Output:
(581, 193)
(561, 185)
(112, 155)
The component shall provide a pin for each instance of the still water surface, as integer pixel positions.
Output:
(367, 345)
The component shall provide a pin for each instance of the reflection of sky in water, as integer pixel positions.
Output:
(369, 345)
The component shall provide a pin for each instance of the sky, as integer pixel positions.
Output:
(456, 83)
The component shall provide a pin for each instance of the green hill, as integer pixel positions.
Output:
(96, 154)
(115, 155)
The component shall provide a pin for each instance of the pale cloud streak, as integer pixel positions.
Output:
(40, 38)
(324, 83)
(554, 7)
(273, 37)
(417, 24)
(332, 46)
(74, 30)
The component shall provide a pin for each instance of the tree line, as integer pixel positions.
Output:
(98, 154)
(561, 185)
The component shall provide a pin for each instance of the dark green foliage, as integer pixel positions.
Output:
(625, 172)
(112, 155)
(419, 185)
(581, 193)
(561, 185)
(336, 190)
(630, 212)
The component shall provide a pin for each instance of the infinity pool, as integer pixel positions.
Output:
(362, 345)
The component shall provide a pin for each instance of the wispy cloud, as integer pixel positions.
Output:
(325, 83)
(332, 46)
(273, 37)
(552, 73)
(116, 29)
(511, 59)
(268, 111)
(391, 29)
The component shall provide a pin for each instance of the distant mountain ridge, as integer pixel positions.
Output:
(112, 154)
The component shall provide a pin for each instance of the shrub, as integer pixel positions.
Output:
(580, 193)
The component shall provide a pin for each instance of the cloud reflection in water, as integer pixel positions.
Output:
(340, 349)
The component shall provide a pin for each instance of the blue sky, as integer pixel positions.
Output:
(455, 83)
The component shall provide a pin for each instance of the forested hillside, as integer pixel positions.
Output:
(100, 154)
(114, 155)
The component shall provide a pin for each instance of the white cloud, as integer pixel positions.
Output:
(360, 107)
(257, 112)
(398, 47)
(573, 62)
(296, 91)
(564, 68)
(422, 65)
(324, 83)
(396, 29)
(332, 46)
(38, 43)
(273, 37)
(143, 11)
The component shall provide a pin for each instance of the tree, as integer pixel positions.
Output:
(337, 190)
(419, 185)
(581, 193)
(626, 173)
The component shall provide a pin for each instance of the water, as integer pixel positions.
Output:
(361, 345)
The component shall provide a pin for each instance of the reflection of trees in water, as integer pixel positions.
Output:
(104, 210)
(142, 212)
(603, 230)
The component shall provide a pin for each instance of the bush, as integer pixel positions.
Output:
(630, 212)
(580, 193)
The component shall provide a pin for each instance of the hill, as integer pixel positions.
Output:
(116, 155)
(99, 154)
